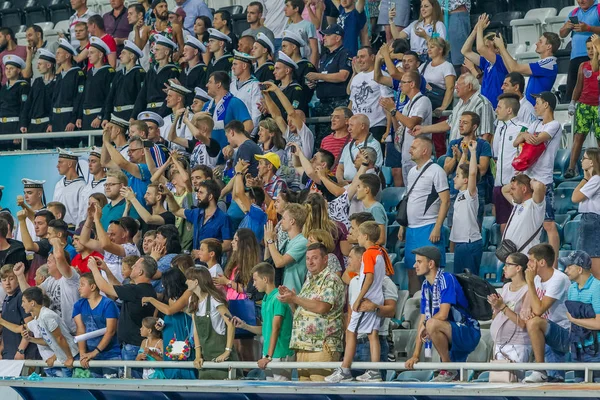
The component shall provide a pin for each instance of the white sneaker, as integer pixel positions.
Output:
(536, 377)
(370, 376)
(445, 376)
(338, 376)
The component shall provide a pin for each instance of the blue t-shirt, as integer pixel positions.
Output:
(71, 250)
(483, 149)
(401, 98)
(95, 319)
(255, 220)
(493, 78)
(450, 293)
(112, 213)
(164, 264)
(217, 227)
(543, 75)
(246, 151)
(139, 186)
(236, 110)
(587, 295)
(352, 22)
(578, 39)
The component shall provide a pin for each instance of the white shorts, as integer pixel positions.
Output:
(364, 322)
(519, 353)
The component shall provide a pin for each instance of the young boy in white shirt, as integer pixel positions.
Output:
(372, 272)
(466, 234)
(210, 254)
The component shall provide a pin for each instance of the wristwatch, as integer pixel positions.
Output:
(268, 357)
(393, 112)
(376, 310)
(270, 241)
(20, 351)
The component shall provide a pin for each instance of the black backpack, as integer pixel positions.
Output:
(476, 291)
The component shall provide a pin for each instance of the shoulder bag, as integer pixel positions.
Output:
(402, 214)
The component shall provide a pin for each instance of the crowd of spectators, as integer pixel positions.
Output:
(216, 224)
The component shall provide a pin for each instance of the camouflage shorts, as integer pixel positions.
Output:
(587, 120)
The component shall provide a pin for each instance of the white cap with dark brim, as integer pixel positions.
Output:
(182, 90)
(293, 37)
(218, 35)
(64, 44)
(247, 58)
(99, 44)
(46, 56)
(166, 42)
(284, 59)
(32, 183)
(96, 151)
(151, 116)
(119, 121)
(195, 43)
(265, 42)
(132, 48)
(202, 95)
(67, 154)
(14, 60)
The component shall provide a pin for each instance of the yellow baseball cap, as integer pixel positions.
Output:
(273, 158)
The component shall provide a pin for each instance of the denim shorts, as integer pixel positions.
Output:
(393, 158)
(549, 202)
(588, 231)
(557, 338)
(56, 372)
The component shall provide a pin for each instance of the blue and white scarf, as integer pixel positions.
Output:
(221, 107)
(432, 297)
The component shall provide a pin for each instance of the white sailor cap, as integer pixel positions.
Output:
(218, 35)
(96, 151)
(195, 43)
(283, 58)
(119, 121)
(32, 184)
(247, 58)
(265, 42)
(293, 37)
(132, 48)
(69, 155)
(14, 60)
(1, 188)
(202, 95)
(99, 44)
(165, 41)
(151, 116)
(182, 90)
(64, 44)
(47, 56)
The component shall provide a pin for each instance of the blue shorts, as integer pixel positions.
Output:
(465, 339)
(393, 158)
(419, 237)
(557, 338)
(549, 203)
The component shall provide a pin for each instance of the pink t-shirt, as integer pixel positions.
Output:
(20, 51)
(232, 294)
(306, 17)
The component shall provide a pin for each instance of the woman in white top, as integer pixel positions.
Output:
(508, 330)
(213, 329)
(428, 26)
(587, 194)
(439, 75)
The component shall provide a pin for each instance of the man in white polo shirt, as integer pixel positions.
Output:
(547, 131)
(358, 126)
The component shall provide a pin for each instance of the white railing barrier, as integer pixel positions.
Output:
(463, 368)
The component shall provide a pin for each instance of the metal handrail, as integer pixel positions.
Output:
(232, 366)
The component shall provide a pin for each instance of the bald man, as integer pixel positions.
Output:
(358, 126)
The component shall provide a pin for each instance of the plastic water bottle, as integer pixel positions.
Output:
(428, 348)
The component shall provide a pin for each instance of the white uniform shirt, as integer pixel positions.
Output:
(543, 169)
(526, 112)
(365, 93)
(249, 93)
(528, 217)
(69, 193)
(181, 130)
(424, 201)
(90, 188)
(503, 150)
(419, 106)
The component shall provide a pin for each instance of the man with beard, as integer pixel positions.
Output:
(162, 28)
(154, 198)
(32, 201)
(68, 189)
(95, 183)
(68, 92)
(35, 42)
(147, 126)
(262, 51)
(97, 86)
(254, 17)
(209, 220)
(126, 84)
(152, 96)
(218, 43)
(195, 73)
(8, 45)
(113, 210)
(291, 43)
(245, 87)
(39, 102)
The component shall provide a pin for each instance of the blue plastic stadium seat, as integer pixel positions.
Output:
(495, 236)
(562, 200)
(390, 375)
(387, 174)
(486, 227)
(568, 184)
(571, 234)
(491, 267)
(441, 161)
(483, 377)
(400, 276)
(414, 376)
(390, 197)
(561, 163)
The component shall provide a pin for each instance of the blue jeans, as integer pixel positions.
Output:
(128, 353)
(363, 353)
(102, 372)
(277, 44)
(459, 28)
(557, 347)
(586, 355)
(56, 372)
(468, 256)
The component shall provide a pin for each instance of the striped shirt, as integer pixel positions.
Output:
(476, 103)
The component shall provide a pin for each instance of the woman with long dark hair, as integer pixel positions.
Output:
(166, 247)
(201, 26)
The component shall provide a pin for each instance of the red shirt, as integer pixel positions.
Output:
(81, 264)
(335, 146)
(110, 42)
(589, 92)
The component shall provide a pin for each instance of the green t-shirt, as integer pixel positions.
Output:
(272, 307)
(294, 274)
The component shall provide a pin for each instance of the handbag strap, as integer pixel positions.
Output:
(418, 177)
(528, 240)
(337, 158)
(410, 106)
(532, 237)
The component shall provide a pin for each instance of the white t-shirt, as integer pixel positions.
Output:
(437, 75)
(365, 93)
(305, 138)
(465, 227)
(543, 168)
(557, 287)
(48, 321)
(417, 43)
(215, 317)
(528, 217)
(591, 190)
(215, 270)
(45, 351)
(307, 31)
(113, 261)
(275, 18)
(504, 151)
(350, 151)
(526, 112)
(63, 293)
(424, 202)
(390, 292)
(419, 106)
